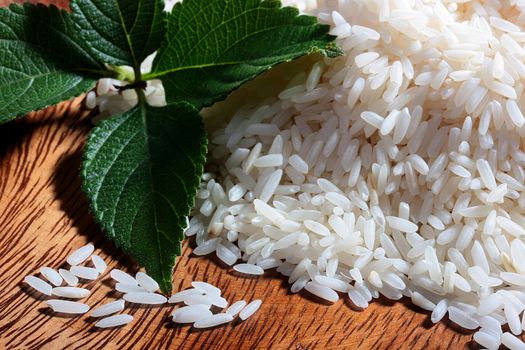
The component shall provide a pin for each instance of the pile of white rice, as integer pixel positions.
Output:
(396, 169)
(393, 170)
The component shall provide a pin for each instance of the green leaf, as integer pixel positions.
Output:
(120, 32)
(41, 60)
(141, 172)
(212, 47)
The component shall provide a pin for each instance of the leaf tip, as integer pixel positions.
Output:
(165, 287)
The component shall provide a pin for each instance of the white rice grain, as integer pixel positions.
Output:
(236, 307)
(439, 311)
(487, 340)
(108, 309)
(67, 307)
(145, 298)
(191, 314)
(510, 226)
(51, 275)
(80, 255)
(271, 185)
(298, 163)
(123, 277)
(146, 282)
(87, 273)
(206, 288)
(400, 224)
(512, 342)
(129, 288)
(461, 318)
(322, 291)
(114, 321)
(70, 292)
(270, 160)
(249, 269)
(485, 172)
(182, 295)
(70, 279)
(250, 309)
(38, 284)
(99, 264)
(213, 321)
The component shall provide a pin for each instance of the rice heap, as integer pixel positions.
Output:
(396, 169)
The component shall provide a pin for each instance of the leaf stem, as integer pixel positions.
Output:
(140, 85)
(141, 96)
(138, 74)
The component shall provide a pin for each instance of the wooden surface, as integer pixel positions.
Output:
(44, 216)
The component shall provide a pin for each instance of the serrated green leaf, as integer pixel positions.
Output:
(141, 172)
(41, 61)
(214, 46)
(120, 32)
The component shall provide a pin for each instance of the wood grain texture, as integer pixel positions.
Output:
(44, 216)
